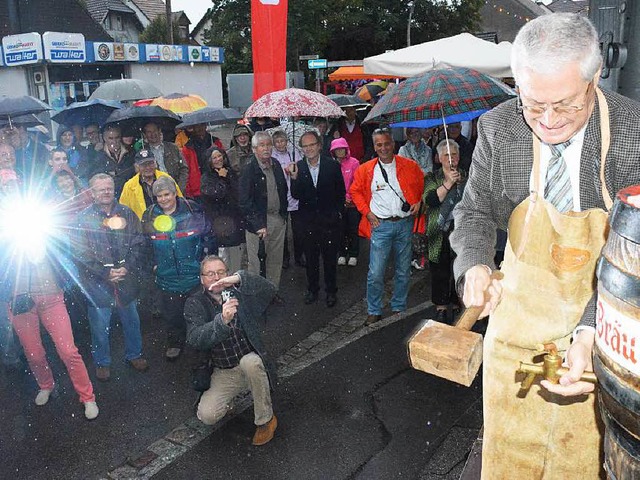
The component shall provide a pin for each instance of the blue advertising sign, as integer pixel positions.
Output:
(64, 47)
(22, 49)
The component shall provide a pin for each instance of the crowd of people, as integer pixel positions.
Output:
(122, 224)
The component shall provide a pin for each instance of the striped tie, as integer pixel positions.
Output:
(558, 183)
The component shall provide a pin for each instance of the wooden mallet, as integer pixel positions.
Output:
(450, 352)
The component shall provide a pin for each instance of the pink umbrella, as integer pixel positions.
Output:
(294, 102)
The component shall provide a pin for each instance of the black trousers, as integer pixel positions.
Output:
(298, 237)
(443, 290)
(321, 239)
(173, 314)
(350, 242)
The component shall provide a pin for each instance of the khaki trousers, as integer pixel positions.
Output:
(228, 383)
(274, 244)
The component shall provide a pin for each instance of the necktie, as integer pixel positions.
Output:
(557, 189)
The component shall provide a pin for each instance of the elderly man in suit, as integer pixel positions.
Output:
(316, 181)
(547, 164)
(263, 202)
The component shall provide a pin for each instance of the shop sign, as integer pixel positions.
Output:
(22, 49)
(195, 54)
(131, 52)
(215, 54)
(64, 47)
(153, 53)
(103, 51)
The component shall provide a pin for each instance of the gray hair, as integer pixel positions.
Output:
(441, 148)
(278, 133)
(162, 184)
(100, 176)
(258, 136)
(547, 43)
(211, 258)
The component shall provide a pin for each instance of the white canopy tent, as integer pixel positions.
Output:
(463, 50)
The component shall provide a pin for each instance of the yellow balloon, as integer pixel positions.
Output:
(164, 223)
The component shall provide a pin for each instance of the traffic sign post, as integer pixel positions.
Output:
(318, 63)
(308, 57)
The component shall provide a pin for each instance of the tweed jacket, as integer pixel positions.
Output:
(176, 165)
(501, 168)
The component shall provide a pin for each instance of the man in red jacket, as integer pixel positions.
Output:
(387, 191)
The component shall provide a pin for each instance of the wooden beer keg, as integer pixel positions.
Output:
(617, 343)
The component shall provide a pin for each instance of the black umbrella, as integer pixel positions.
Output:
(132, 119)
(211, 116)
(91, 112)
(262, 257)
(29, 120)
(344, 101)
(15, 106)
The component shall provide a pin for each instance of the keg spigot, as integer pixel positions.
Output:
(550, 369)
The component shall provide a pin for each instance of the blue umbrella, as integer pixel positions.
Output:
(91, 112)
(435, 122)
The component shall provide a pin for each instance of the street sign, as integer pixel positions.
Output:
(308, 57)
(318, 63)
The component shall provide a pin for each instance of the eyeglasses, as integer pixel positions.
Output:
(219, 273)
(309, 145)
(378, 131)
(559, 108)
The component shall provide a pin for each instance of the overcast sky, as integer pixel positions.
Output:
(193, 8)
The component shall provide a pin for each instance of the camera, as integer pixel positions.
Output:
(228, 294)
(405, 206)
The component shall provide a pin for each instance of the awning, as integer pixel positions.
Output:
(355, 73)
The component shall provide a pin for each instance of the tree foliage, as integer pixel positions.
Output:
(158, 32)
(341, 29)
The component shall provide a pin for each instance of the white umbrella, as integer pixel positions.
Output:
(463, 50)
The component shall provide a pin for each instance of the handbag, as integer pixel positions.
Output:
(21, 304)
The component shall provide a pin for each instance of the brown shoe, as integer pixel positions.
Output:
(372, 319)
(140, 364)
(103, 373)
(264, 433)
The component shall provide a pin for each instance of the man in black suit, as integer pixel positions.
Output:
(316, 181)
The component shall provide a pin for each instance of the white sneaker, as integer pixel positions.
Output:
(416, 265)
(43, 397)
(353, 261)
(91, 410)
(342, 261)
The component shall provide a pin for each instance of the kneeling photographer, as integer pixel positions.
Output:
(222, 318)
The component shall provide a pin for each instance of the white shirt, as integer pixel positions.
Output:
(350, 125)
(385, 203)
(571, 155)
(314, 172)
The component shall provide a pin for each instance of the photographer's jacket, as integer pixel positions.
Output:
(205, 327)
(102, 247)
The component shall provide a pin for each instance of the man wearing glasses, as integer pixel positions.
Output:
(222, 318)
(387, 192)
(317, 183)
(539, 168)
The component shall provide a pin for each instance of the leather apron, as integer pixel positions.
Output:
(549, 276)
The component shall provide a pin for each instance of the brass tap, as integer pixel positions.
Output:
(550, 369)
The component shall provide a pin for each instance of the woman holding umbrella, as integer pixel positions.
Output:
(442, 192)
(220, 200)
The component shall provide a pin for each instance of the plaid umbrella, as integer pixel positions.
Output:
(293, 102)
(448, 93)
(370, 91)
(180, 103)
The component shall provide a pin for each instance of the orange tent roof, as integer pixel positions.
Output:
(355, 73)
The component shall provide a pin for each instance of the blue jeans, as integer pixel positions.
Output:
(100, 323)
(388, 237)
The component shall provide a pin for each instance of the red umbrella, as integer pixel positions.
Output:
(143, 103)
(294, 102)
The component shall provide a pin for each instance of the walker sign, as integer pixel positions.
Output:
(22, 49)
(64, 47)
